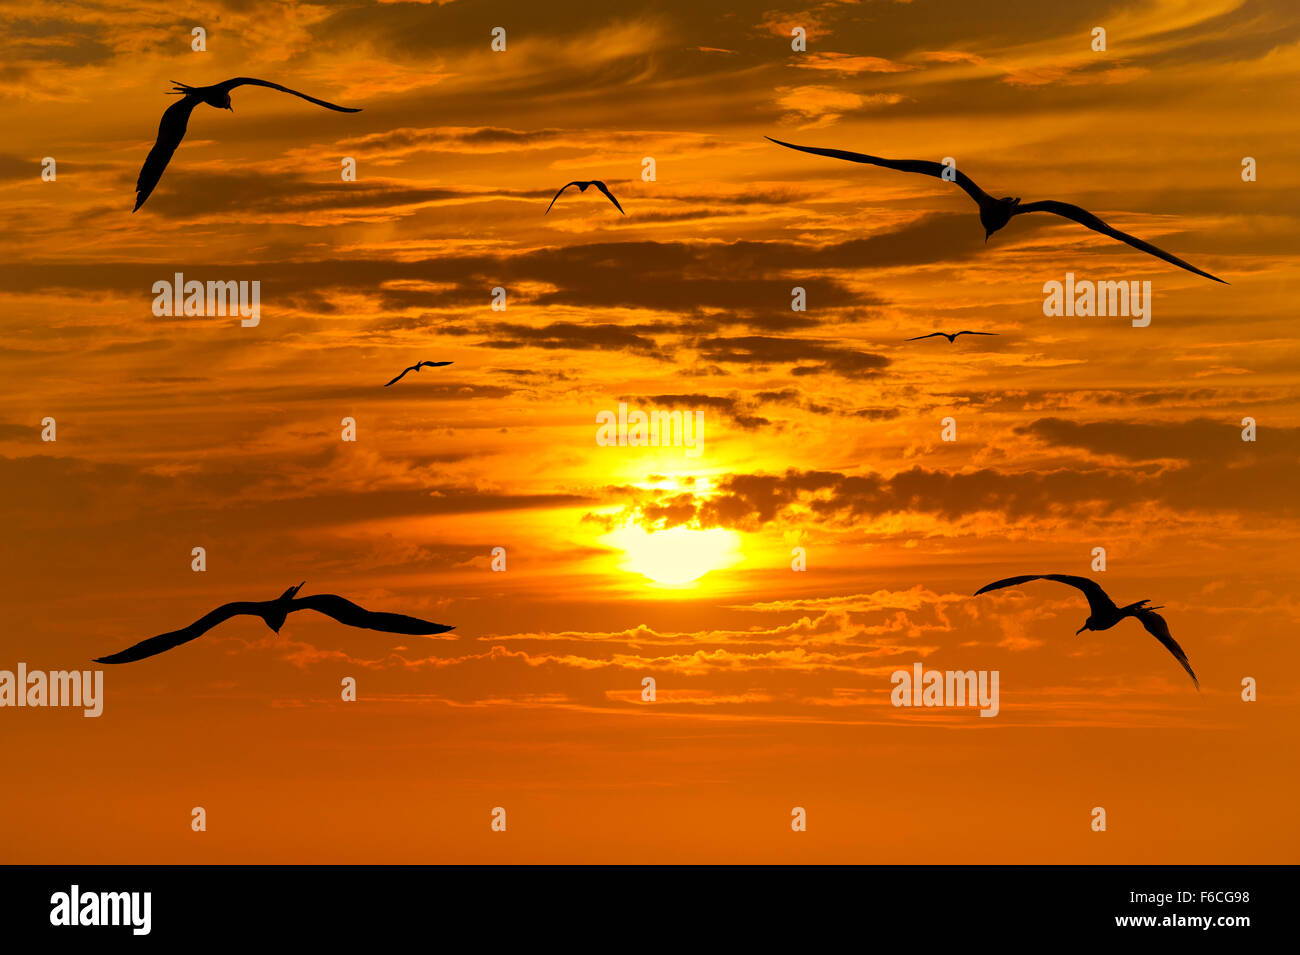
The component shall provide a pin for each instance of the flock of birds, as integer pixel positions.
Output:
(1103, 614)
(994, 214)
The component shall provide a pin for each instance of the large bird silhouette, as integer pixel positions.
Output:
(996, 213)
(176, 119)
(416, 367)
(273, 613)
(951, 336)
(582, 187)
(1103, 612)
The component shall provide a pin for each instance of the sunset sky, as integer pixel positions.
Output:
(821, 431)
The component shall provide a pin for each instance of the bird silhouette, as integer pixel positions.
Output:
(951, 337)
(176, 118)
(582, 187)
(996, 213)
(273, 613)
(416, 367)
(1104, 614)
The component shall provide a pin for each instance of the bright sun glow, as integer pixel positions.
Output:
(678, 556)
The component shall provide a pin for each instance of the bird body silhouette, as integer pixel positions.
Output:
(273, 614)
(176, 119)
(952, 337)
(416, 367)
(996, 213)
(1104, 613)
(582, 187)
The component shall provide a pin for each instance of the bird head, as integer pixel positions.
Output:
(1086, 626)
(225, 103)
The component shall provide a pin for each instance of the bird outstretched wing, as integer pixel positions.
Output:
(171, 130)
(923, 166)
(1098, 602)
(230, 84)
(401, 376)
(605, 189)
(931, 335)
(974, 333)
(417, 366)
(1086, 218)
(1158, 628)
(557, 195)
(345, 611)
(165, 641)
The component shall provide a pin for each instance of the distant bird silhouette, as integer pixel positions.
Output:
(951, 337)
(177, 117)
(582, 187)
(1104, 614)
(273, 613)
(416, 367)
(995, 213)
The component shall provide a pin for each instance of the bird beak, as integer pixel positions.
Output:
(1081, 629)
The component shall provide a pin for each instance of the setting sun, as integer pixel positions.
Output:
(677, 556)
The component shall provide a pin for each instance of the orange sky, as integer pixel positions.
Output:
(821, 431)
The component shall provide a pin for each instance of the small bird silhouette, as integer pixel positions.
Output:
(1104, 614)
(176, 118)
(273, 613)
(995, 213)
(417, 366)
(951, 338)
(582, 187)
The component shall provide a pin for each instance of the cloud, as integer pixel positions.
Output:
(849, 64)
(735, 408)
(809, 356)
(753, 501)
(1198, 439)
(816, 106)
